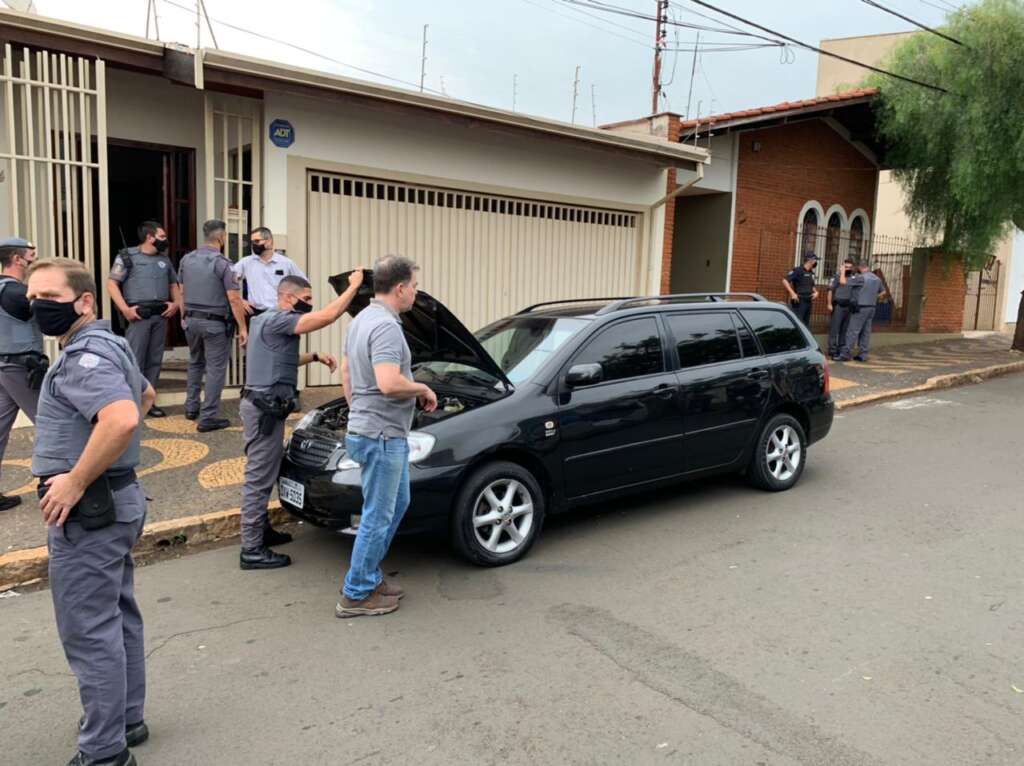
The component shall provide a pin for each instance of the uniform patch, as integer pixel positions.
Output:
(118, 266)
(88, 361)
(161, 264)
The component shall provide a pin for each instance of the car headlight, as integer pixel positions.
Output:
(307, 420)
(420, 447)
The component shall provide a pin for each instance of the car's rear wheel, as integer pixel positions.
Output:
(779, 454)
(497, 515)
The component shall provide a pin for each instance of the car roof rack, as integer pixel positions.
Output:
(570, 301)
(626, 303)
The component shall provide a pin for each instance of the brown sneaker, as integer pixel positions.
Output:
(374, 604)
(390, 589)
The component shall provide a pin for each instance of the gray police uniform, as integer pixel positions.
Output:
(866, 289)
(145, 283)
(841, 295)
(272, 373)
(206, 276)
(92, 571)
(20, 340)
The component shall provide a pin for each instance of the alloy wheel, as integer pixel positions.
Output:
(503, 516)
(783, 453)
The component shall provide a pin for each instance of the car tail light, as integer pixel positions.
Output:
(828, 380)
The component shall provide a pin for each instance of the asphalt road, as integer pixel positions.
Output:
(873, 615)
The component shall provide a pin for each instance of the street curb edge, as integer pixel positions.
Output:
(29, 565)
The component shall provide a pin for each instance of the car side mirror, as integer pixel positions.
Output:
(584, 375)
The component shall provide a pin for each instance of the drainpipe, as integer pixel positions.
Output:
(670, 196)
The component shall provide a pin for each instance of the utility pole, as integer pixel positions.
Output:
(593, 102)
(693, 74)
(659, 46)
(575, 93)
(423, 62)
(515, 90)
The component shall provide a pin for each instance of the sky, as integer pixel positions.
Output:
(485, 50)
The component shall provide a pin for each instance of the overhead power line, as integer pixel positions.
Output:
(814, 48)
(301, 49)
(909, 20)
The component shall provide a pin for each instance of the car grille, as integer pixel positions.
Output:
(310, 451)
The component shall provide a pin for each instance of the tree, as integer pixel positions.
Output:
(960, 154)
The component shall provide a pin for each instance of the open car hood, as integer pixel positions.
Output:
(433, 332)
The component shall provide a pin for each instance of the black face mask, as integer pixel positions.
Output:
(259, 249)
(161, 245)
(302, 307)
(54, 317)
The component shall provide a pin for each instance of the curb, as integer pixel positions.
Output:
(934, 384)
(29, 566)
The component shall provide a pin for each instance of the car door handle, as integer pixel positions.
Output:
(665, 391)
(757, 374)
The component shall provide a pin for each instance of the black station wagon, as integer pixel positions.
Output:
(573, 403)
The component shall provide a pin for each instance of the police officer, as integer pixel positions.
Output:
(86, 449)
(144, 287)
(213, 311)
(839, 292)
(22, 362)
(867, 289)
(271, 384)
(800, 284)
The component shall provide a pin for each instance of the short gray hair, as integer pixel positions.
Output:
(213, 227)
(291, 283)
(263, 231)
(391, 271)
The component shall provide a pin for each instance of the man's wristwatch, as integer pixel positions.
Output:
(316, 357)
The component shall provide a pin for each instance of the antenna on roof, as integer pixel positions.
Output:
(693, 74)
(200, 15)
(593, 102)
(575, 93)
(515, 90)
(423, 60)
(151, 12)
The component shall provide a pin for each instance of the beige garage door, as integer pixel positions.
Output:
(484, 256)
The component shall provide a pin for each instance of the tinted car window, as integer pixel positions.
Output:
(626, 350)
(747, 342)
(704, 338)
(775, 330)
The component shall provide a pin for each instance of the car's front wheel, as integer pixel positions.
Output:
(779, 454)
(497, 515)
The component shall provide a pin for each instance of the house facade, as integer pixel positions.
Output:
(99, 131)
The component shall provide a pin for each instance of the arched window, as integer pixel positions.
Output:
(860, 236)
(833, 236)
(808, 232)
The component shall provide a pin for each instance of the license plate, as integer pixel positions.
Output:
(291, 492)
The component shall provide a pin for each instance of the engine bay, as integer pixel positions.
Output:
(333, 417)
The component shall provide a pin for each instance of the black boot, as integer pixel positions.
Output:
(272, 537)
(156, 412)
(263, 559)
(191, 415)
(213, 425)
(6, 503)
(124, 758)
(134, 733)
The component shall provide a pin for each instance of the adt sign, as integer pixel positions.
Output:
(282, 133)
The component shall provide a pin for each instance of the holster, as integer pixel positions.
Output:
(37, 366)
(151, 309)
(273, 410)
(854, 308)
(96, 508)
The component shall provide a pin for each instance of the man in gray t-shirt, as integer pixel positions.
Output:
(376, 373)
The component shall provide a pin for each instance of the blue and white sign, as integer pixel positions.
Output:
(282, 133)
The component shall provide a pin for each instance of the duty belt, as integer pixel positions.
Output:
(195, 314)
(21, 359)
(149, 309)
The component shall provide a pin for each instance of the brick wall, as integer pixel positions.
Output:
(945, 287)
(795, 163)
(670, 215)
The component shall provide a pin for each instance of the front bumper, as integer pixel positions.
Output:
(332, 498)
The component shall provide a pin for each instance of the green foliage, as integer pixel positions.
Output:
(960, 155)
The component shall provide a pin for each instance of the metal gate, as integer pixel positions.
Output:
(981, 301)
(485, 256)
(54, 154)
(233, 171)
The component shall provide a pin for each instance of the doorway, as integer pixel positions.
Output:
(151, 182)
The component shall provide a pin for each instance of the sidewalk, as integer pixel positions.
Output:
(195, 480)
(895, 368)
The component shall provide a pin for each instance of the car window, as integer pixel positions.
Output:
(626, 350)
(776, 331)
(747, 342)
(704, 338)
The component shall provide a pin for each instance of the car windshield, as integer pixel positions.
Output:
(520, 345)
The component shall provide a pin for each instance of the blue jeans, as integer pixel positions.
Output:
(385, 474)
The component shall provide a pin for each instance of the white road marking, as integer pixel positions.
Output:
(917, 402)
